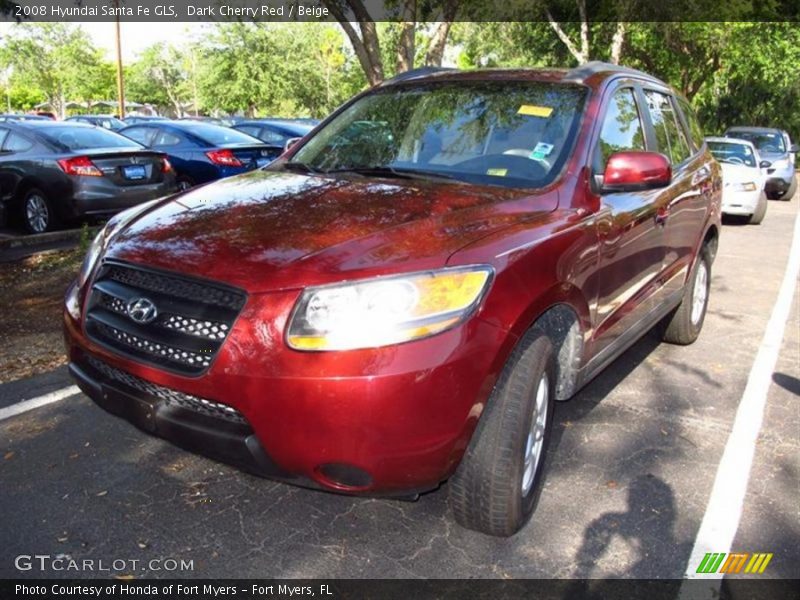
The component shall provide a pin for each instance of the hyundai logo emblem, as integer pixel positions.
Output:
(141, 310)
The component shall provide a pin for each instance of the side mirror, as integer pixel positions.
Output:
(635, 171)
(764, 164)
(794, 149)
(291, 142)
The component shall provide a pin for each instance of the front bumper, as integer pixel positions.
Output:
(389, 421)
(738, 202)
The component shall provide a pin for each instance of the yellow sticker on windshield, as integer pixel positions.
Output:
(497, 172)
(535, 111)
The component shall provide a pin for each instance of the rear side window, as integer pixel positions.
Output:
(622, 128)
(143, 135)
(249, 129)
(696, 132)
(166, 138)
(272, 137)
(670, 137)
(17, 143)
(3, 134)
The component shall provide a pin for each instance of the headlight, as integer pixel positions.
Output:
(744, 187)
(92, 255)
(384, 311)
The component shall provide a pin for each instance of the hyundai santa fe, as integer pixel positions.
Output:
(400, 298)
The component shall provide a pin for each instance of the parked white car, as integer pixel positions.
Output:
(742, 177)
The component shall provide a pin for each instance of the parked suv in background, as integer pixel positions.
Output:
(401, 297)
(775, 147)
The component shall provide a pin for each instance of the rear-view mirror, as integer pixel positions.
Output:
(634, 171)
(764, 164)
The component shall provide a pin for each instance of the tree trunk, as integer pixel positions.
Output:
(617, 42)
(406, 46)
(439, 38)
(582, 54)
(366, 46)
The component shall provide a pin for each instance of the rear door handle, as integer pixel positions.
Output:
(701, 175)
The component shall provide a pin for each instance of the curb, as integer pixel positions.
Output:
(44, 238)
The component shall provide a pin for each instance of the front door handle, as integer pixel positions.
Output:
(662, 214)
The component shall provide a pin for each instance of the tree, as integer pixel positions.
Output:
(366, 40)
(53, 58)
(160, 77)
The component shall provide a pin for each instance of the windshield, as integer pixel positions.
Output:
(513, 134)
(765, 142)
(83, 138)
(216, 135)
(732, 153)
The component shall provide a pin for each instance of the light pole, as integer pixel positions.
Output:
(120, 82)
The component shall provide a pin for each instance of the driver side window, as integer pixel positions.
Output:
(622, 129)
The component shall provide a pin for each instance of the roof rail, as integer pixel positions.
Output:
(414, 73)
(586, 70)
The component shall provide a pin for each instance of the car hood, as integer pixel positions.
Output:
(270, 230)
(739, 173)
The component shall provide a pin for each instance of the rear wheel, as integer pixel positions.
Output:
(494, 489)
(761, 210)
(684, 325)
(184, 183)
(37, 212)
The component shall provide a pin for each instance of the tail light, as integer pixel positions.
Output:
(225, 158)
(79, 165)
(166, 166)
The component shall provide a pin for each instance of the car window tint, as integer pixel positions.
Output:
(249, 129)
(3, 134)
(77, 137)
(272, 137)
(214, 134)
(670, 139)
(733, 153)
(696, 133)
(166, 138)
(140, 134)
(17, 143)
(622, 128)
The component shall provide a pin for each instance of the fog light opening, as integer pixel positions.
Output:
(344, 477)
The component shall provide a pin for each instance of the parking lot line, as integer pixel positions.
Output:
(26, 405)
(724, 509)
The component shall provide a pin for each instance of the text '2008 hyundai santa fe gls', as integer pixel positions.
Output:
(402, 296)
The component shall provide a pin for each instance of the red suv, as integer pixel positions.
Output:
(402, 296)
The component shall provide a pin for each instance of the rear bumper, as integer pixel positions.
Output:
(102, 197)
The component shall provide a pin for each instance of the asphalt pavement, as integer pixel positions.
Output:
(630, 472)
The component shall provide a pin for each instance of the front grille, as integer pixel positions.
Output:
(192, 319)
(203, 406)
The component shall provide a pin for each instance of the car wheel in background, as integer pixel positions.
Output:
(37, 212)
(761, 210)
(184, 183)
(787, 195)
(495, 488)
(684, 324)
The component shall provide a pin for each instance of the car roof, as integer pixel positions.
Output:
(728, 140)
(596, 71)
(35, 124)
(755, 129)
(91, 117)
(285, 125)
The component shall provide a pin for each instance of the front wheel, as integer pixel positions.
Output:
(684, 325)
(494, 489)
(787, 195)
(761, 210)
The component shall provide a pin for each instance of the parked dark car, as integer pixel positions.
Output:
(56, 171)
(274, 133)
(775, 147)
(21, 117)
(209, 120)
(105, 121)
(402, 297)
(136, 119)
(200, 152)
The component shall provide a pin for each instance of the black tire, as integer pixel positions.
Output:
(787, 195)
(36, 212)
(683, 326)
(761, 210)
(184, 183)
(488, 491)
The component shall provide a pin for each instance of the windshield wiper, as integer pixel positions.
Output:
(387, 171)
(301, 167)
